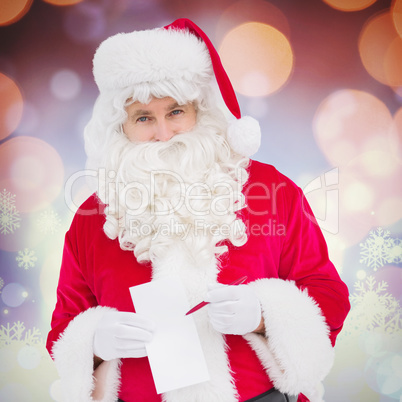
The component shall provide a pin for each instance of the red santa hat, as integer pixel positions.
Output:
(179, 57)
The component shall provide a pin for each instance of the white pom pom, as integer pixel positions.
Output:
(244, 136)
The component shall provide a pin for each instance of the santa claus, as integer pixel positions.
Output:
(181, 197)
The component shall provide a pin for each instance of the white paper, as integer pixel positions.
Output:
(175, 354)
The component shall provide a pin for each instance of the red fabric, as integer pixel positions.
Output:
(222, 78)
(283, 243)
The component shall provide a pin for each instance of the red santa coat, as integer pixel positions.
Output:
(303, 299)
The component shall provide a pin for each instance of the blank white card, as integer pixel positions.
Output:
(175, 354)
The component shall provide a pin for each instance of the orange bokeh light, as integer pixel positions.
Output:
(357, 134)
(395, 136)
(349, 123)
(380, 49)
(257, 57)
(242, 11)
(31, 169)
(367, 201)
(386, 194)
(356, 201)
(397, 16)
(349, 5)
(63, 2)
(11, 105)
(389, 211)
(13, 10)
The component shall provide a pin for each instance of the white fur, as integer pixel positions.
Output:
(73, 357)
(244, 136)
(296, 352)
(158, 62)
(149, 56)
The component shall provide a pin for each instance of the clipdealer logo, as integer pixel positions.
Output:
(327, 184)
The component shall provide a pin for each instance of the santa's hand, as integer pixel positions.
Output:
(233, 309)
(121, 335)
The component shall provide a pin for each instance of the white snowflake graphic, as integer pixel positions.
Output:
(16, 333)
(7, 200)
(25, 350)
(395, 252)
(373, 308)
(9, 216)
(376, 251)
(26, 258)
(48, 222)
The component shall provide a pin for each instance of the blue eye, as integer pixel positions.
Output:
(176, 112)
(142, 119)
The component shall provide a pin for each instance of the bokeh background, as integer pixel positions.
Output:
(324, 78)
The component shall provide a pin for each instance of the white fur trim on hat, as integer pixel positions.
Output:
(179, 62)
(141, 57)
(244, 135)
(74, 358)
(296, 352)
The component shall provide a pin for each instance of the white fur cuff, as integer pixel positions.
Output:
(73, 357)
(297, 352)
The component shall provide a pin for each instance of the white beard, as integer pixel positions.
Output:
(185, 190)
(153, 210)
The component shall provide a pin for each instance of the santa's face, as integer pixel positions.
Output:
(159, 120)
(185, 190)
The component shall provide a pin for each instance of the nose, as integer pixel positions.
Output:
(164, 131)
